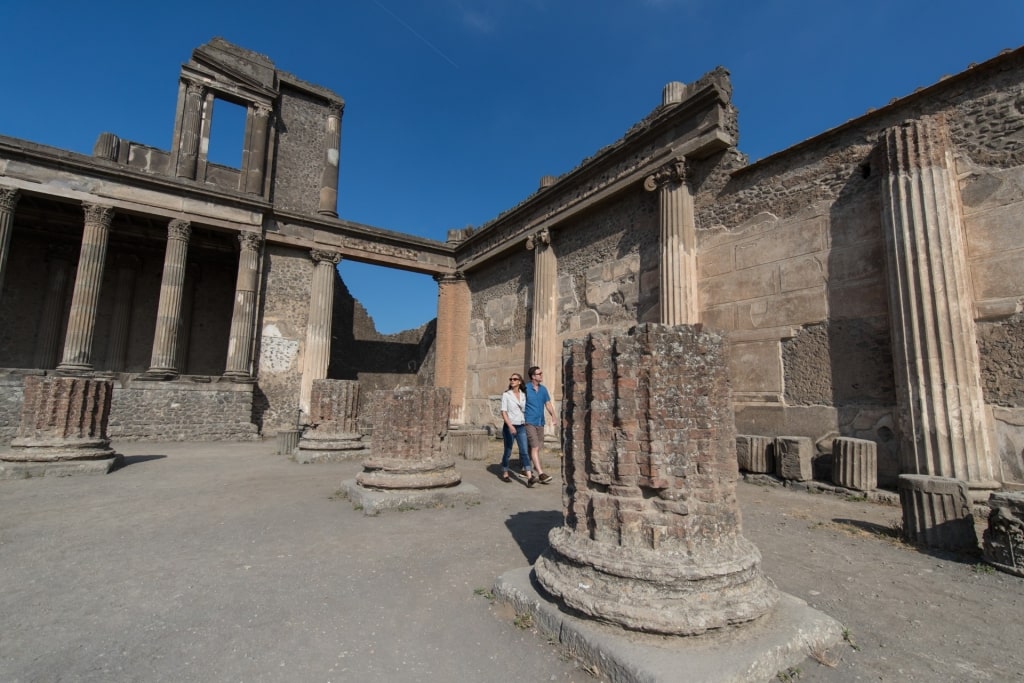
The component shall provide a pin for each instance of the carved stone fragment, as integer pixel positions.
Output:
(937, 512)
(1003, 540)
(855, 463)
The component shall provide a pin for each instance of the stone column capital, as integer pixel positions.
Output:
(261, 110)
(8, 198)
(321, 256)
(674, 172)
(449, 278)
(541, 238)
(250, 241)
(195, 88)
(179, 229)
(98, 214)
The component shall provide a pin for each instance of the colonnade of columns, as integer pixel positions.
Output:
(174, 307)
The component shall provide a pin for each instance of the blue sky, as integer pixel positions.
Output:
(456, 108)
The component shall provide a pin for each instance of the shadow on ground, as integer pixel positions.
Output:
(530, 530)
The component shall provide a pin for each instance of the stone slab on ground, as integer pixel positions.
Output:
(57, 468)
(755, 652)
(373, 501)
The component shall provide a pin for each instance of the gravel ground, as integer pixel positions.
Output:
(225, 562)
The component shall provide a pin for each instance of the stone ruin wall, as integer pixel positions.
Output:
(287, 279)
(818, 208)
(298, 165)
(499, 326)
(791, 267)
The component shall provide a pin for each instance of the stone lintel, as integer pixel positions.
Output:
(756, 652)
(373, 501)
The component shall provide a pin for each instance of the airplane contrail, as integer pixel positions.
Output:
(413, 31)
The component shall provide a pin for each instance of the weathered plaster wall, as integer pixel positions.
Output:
(287, 276)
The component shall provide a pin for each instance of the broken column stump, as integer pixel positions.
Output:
(793, 458)
(855, 463)
(937, 512)
(408, 465)
(62, 429)
(755, 454)
(1003, 540)
(652, 538)
(334, 412)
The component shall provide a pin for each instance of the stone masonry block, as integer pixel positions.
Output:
(793, 455)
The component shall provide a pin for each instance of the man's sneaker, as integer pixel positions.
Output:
(544, 478)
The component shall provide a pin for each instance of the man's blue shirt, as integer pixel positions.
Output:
(535, 402)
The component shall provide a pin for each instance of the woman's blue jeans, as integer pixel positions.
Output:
(524, 449)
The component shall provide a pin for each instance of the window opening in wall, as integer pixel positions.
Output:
(397, 300)
(227, 134)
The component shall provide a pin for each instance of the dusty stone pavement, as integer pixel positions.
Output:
(225, 562)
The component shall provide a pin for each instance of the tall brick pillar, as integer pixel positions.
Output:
(332, 155)
(544, 316)
(652, 539)
(316, 355)
(86, 297)
(941, 408)
(678, 241)
(168, 315)
(243, 316)
(8, 201)
(453, 303)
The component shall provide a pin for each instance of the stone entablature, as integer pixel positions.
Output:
(667, 132)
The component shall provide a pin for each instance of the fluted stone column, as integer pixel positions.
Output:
(855, 463)
(652, 539)
(48, 333)
(86, 297)
(678, 241)
(243, 316)
(168, 316)
(191, 129)
(453, 309)
(940, 403)
(332, 152)
(755, 454)
(8, 201)
(544, 328)
(120, 319)
(317, 354)
(256, 148)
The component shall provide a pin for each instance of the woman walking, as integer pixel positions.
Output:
(513, 402)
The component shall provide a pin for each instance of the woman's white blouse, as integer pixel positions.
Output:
(514, 407)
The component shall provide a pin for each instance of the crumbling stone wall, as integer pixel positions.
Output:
(608, 266)
(302, 138)
(182, 410)
(839, 363)
(1001, 346)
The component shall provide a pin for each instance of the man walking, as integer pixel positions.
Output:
(538, 401)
